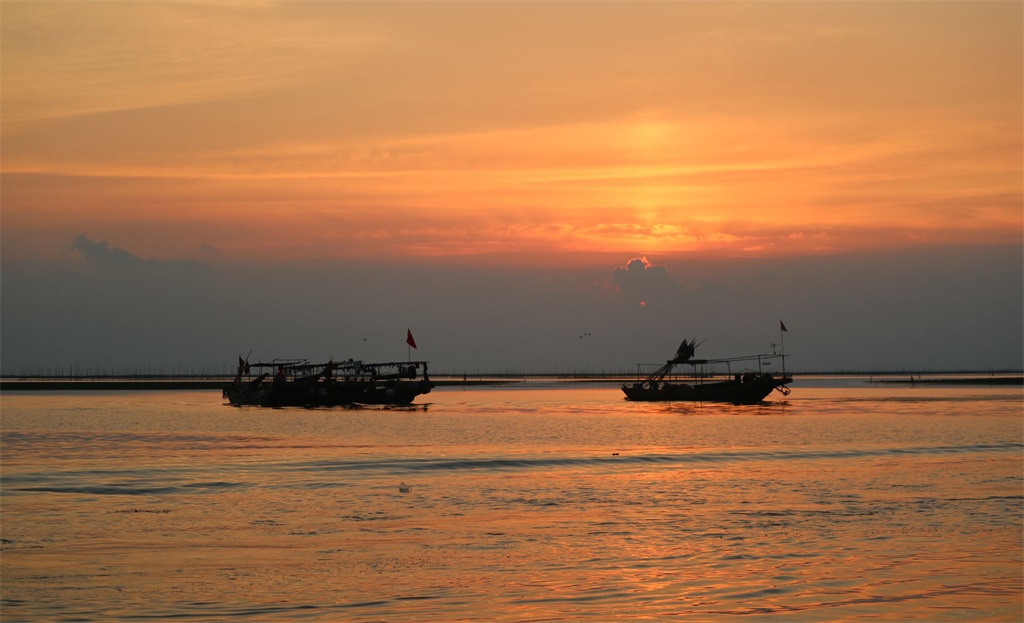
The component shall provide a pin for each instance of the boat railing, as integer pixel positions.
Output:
(301, 370)
(707, 369)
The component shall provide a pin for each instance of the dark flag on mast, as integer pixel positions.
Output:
(782, 327)
(408, 338)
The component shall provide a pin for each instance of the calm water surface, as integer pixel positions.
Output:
(845, 501)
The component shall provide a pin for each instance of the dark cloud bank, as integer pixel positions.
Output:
(108, 308)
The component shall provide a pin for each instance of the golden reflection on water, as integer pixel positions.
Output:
(544, 505)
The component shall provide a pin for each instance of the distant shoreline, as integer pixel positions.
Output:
(981, 380)
(21, 384)
(165, 383)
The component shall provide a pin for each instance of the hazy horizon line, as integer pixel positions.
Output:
(446, 374)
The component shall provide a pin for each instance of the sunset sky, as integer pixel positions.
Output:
(233, 159)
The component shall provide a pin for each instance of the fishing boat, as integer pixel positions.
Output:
(298, 383)
(706, 381)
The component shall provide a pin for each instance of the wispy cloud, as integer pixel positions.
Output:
(68, 59)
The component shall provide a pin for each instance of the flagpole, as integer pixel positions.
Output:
(782, 341)
(410, 344)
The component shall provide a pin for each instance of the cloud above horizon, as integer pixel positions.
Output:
(102, 253)
(642, 282)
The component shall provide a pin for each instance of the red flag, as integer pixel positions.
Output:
(409, 340)
(782, 326)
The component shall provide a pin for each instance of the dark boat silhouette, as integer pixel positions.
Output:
(298, 383)
(747, 386)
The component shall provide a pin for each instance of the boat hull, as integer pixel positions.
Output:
(748, 389)
(322, 394)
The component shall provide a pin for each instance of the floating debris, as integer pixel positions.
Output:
(143, 510)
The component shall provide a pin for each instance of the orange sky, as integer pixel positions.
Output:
(298, 130)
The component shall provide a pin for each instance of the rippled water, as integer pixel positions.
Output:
(845, 501)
